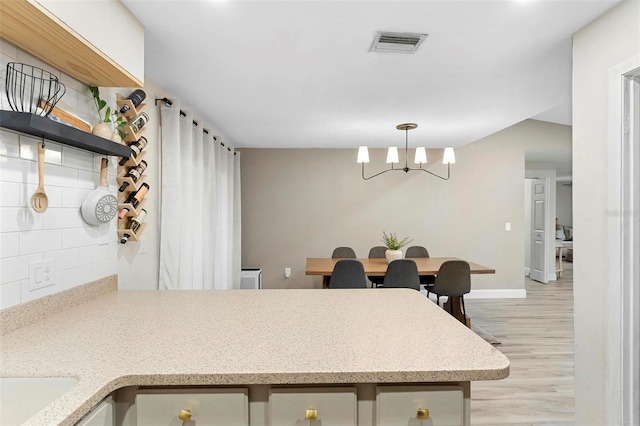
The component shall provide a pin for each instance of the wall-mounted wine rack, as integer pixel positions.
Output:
(132, 134)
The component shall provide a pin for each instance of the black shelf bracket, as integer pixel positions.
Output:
(43, 127)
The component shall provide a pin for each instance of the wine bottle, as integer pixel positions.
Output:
(136, 149)
(136, 98)
(134, 199)
(134, 174)
(134, 224)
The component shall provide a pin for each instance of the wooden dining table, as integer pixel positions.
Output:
(378, 267)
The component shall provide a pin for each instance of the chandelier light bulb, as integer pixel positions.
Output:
(421, 155)
(363, 154)
(392, 155)
(449, 157)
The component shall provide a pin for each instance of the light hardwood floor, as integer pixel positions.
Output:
(537, 337)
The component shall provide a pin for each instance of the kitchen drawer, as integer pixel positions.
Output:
(398, 405)
(334, 406)
(211, 407)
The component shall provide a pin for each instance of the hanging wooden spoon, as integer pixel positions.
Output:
(39, 200)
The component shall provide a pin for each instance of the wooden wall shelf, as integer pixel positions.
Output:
(31, 27)
(134, 161)
(133, 211)
(131, 134)
(133, 186)
(36, 125)
(132, 112)
(133, 236)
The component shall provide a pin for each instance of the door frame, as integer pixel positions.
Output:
(624, 264)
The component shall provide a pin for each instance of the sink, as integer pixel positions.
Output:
(22, 398)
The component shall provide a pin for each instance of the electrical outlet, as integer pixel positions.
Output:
(42, 274)
(143, 245)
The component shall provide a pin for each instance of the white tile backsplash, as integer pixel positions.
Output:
(77, 159)
(87, 180)
(78, 276)
(18, 170)
(16, 268)
(10, 294)
(77, 237)
(10, 194)
(65, 259)
(62, 218)
(13, 219)
(74, 197)
(81, 252)
(60, 176)
(9, 143)
(40, 241)
(9, 244)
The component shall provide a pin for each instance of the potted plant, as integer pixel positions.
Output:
(394, 245)
(102, 129)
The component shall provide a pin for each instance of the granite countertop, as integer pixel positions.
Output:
(183, 338)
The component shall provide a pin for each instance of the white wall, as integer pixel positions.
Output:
(303, 203)
(608, 41)
(82, 253)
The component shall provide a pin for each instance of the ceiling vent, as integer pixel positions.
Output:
(397, 42)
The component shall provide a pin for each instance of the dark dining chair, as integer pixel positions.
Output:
(425, 280)
(376, 252)
(343, 253)
(339, 253)
(348, 273)
(453, 280)
(402, 273)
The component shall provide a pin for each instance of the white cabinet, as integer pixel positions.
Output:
(365, 404)
(400, 405)
(313, 406)
(102, 415)
(210, 407)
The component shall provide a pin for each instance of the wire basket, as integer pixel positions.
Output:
(32, 89)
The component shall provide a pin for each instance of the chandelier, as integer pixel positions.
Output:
(448, 157)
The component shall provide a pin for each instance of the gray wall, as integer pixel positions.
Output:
(605, 43)
(300, 203)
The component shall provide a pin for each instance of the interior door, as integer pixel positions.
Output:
(538, 231)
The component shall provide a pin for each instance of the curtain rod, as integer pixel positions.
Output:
(195, 123)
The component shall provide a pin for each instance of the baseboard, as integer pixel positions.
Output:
(552, 277)
(527, 271)
(520, 293)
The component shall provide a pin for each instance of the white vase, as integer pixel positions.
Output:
(115, 136)
(392, 255)
(102, 130)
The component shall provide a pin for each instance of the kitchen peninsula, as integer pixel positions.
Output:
(369, 344)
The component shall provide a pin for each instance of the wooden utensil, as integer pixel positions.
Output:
(39, 200)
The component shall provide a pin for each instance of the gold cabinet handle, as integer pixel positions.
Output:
(311, 414)
(422, 414)
(184, 415)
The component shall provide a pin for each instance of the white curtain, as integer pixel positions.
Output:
(200, 206)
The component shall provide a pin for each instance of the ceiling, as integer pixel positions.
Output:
(282, 74)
